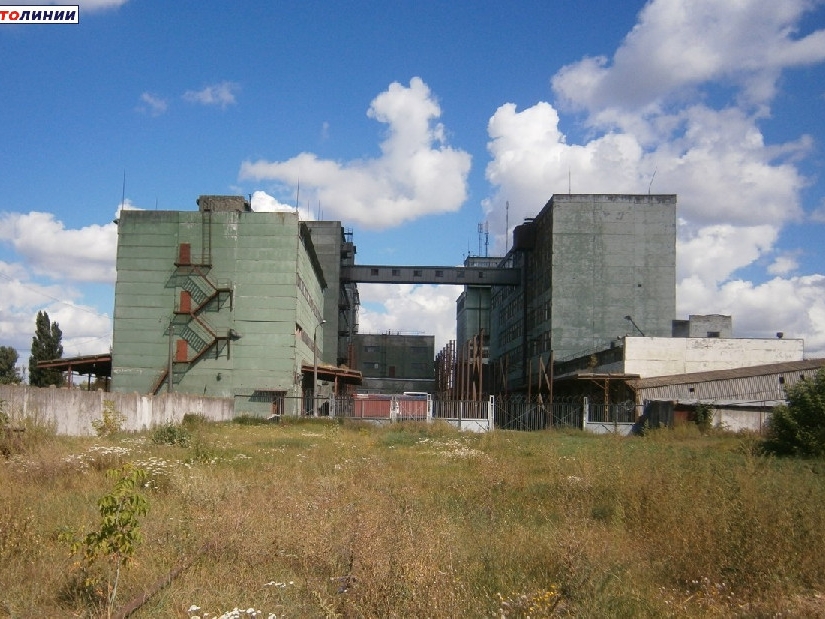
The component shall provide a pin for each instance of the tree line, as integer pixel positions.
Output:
(47, 344)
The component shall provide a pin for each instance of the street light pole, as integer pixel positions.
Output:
(315, 369)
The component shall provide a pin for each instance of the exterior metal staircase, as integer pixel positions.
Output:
(195, 336)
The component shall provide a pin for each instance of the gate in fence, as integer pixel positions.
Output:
(517, 412)
(474, 416)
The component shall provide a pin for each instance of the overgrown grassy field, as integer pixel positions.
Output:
(313, 518)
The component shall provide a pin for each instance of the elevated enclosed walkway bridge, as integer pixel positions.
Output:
(462, 276)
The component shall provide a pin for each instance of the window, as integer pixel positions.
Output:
(396, 272)
(439, 273)
(374, 272)
(713, 333)
(417, 273)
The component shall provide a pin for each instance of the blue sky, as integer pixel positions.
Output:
(413, 122)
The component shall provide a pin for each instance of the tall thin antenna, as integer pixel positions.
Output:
(123, 193)
(486, 239)
(507, 228)
(297, 195)
(651, 180)
(480, 232)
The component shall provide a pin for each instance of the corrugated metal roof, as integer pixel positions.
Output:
(715, 375)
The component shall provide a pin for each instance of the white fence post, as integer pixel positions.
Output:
(491, 414)
(585, 412)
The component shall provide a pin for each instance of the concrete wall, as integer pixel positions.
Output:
(704, 325)
(612, 256)
(72, 411)
(663, 356)
(739, 420)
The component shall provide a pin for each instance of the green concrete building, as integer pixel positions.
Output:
(220, 302)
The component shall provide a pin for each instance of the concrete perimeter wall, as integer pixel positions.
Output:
(72, 411)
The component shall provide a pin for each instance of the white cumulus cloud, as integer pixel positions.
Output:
(152, 104)
(417, 173)
(83, 255)
(409, 308)
(220, 95)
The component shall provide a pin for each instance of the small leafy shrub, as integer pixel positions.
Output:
(171, 434)
(202, 452)
(250, 420)
(191, 421)
(704, 417)
(111, 421)
(798, 429)
(111, 546)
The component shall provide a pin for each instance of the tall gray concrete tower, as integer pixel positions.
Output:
(595, 267)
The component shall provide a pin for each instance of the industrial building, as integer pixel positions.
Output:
(262, 308)
(230, 303)
(587, 262)
(394, 362)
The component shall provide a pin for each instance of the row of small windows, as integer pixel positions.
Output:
(511, 333)
(414, 367)
(439, 273)
(413, 350)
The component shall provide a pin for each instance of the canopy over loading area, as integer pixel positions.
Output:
(98, 365)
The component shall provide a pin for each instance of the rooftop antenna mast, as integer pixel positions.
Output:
(651, 180)
(507, 227)
(297, 195)
(123, 192)
(486, 239)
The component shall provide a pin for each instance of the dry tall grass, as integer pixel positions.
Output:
(319, 519)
